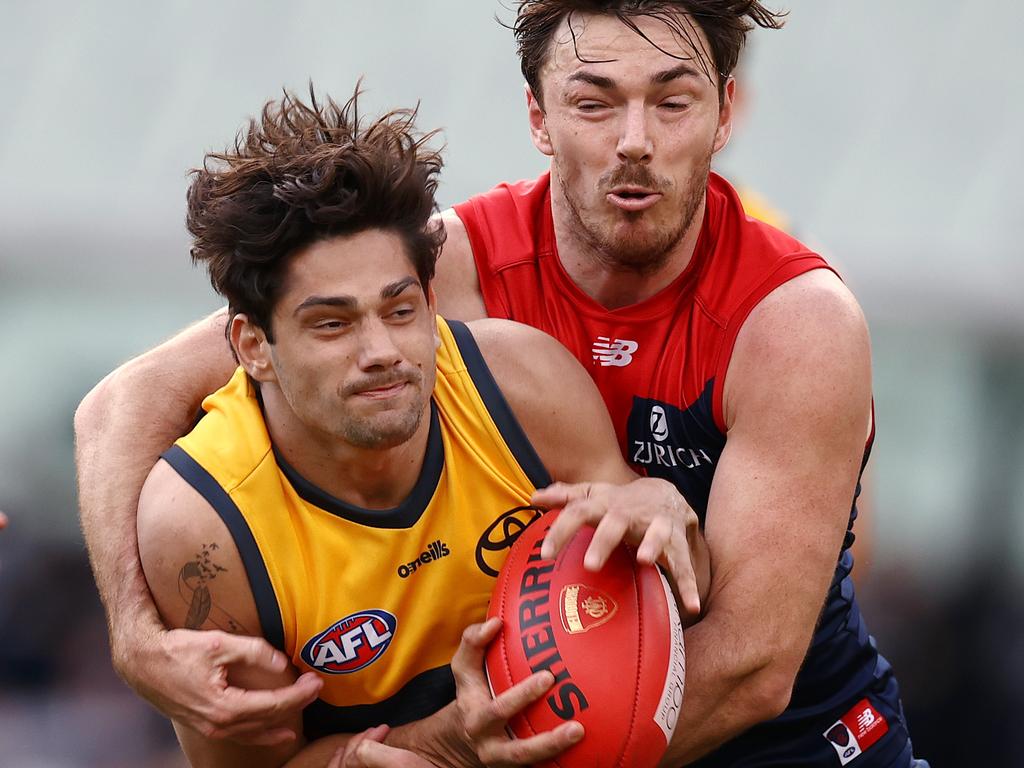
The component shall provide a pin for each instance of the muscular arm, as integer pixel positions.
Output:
(121, 427)
(198, 582)
(797, 405)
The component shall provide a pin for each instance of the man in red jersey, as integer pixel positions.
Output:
(732, 360)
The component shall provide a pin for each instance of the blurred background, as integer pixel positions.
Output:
(887, 134)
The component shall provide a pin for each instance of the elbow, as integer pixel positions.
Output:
(98, 403)
(95, 410)
(772, 692)
(90, 413)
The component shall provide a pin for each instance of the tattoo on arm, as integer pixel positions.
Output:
(193, 586)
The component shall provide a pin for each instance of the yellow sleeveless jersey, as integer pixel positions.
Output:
(375, 601)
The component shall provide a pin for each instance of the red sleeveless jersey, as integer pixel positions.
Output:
(659, 364)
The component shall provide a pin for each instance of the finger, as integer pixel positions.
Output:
(534, 749)
(352, 755)
(266, 707)
(337, 758)
(250, 651)
(491, 716)
(680, 566)
(655, 540)
(573, 516)
(468, 661)
(3, 520)
(609, 534)
(560, 494)
(521, 695)
(372, 754)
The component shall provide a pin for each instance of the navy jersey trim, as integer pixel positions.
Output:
(256, 570)
(419, 698)
(506, 421)
(406, 514)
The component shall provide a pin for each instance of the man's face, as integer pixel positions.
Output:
(631, 136)
(355, 341)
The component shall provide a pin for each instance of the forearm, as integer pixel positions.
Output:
(732, 683)
(121, 428)
(112, 466)
(433, 738)
(438, 738)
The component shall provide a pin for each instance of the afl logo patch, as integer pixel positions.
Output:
(348, 645)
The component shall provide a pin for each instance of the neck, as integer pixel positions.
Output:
(610, 284)
(363, 477)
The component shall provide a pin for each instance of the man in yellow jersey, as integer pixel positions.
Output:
(341, 494)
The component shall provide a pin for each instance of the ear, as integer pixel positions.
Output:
(253, 350)
(725, 115)
(538, 124)
(432, 306)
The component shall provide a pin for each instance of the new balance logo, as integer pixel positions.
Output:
(618, 352)
(866, 719)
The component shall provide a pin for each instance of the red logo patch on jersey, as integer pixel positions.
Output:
(583, 608)
(348, 645)
(856, 731)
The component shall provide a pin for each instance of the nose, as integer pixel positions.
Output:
(635, 140)
(377, 349)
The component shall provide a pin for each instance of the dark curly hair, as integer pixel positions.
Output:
(725, 24)
(302, 173)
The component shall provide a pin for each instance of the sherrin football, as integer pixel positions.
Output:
(612, 639)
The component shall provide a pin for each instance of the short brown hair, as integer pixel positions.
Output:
(725, 23)
(302, 173)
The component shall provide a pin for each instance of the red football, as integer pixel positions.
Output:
(612, 639)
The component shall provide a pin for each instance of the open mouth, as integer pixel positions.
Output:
(633, 198)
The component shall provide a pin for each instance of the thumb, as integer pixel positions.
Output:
(251, 651)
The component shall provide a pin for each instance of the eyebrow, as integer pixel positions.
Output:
(678, 71)
(659, 78)
(598, 81)
(389, 291)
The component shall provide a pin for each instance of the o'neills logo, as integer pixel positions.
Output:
(583, 608)
(434, 551)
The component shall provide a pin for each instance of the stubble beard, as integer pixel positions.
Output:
(370, 434)
(384, 430)
(641, 253)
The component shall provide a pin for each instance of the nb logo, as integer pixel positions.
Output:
(618, 352)
(865, 719)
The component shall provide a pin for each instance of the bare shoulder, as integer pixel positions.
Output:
(190, 560)
(806, 342)
(455, 281)
(521, 353)
(554, 399)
